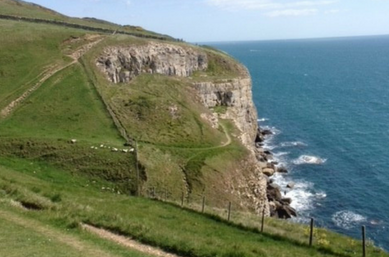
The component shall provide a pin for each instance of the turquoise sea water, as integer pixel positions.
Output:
(327, 99)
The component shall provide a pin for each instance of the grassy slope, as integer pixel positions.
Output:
(144, 108)
(26, 52)
(66, 106)
(30, 10)
(189, 233)
(43, 166)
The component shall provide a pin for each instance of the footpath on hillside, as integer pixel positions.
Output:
(48, 73)
(87, 249)
(74, 242)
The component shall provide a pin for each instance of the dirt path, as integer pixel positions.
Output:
(227, 136)
(87, 249)
(127, 242)
(48, 73)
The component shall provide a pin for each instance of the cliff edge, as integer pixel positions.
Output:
(226, 97)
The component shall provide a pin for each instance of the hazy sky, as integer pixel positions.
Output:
(234, 20)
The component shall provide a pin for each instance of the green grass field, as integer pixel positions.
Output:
(29, 10)
(27, 51)
(174, 229)
(50, 185)
(66, 106)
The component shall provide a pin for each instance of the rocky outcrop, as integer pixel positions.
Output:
(121, 64)
(236, 94)
(279, 206)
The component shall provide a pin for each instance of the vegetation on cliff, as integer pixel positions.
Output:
(75, 148)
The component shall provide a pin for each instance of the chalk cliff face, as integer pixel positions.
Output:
(237, 96)
(121, 64)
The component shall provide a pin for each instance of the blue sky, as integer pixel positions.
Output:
(235, 20)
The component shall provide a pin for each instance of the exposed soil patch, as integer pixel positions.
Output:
(127, 242)
(31, 206)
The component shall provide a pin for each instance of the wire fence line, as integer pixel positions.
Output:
(85, 27)
(233, 215)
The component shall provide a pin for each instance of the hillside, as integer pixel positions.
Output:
(26, 10)
(90, 120)
(57, 88)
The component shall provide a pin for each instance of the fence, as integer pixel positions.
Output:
(84, 27)
(234, 216)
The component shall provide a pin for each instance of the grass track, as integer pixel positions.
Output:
(167, 226)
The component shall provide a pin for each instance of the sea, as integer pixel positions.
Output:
(327, 103)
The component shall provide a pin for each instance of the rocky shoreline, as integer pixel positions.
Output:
(279, 206)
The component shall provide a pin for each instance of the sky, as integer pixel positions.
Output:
(199, 21)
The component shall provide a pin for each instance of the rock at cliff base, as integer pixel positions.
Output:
(286, 212)
(282, 170)
(286, 201)
(273, 194)
(268, 172)
(290, 185)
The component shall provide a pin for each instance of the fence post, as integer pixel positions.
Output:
(311, 234)
(137, 168)
(263, 219)
(363, 241)
(203, 205)
(229, 211)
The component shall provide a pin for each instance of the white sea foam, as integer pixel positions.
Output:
(274, 130)
(262, 119)
(268, 146)
(347, 219)
(280, 154)
(320, 195)
(281, 158)
(308, 159)
(293, 144)
(303, 195)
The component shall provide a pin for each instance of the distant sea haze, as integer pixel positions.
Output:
(327, 102)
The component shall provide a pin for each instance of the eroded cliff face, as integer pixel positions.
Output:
(237, 96)
(121, 64)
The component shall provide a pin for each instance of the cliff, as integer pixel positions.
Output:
(237, 96)
(122, 64)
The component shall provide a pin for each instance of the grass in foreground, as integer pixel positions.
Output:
(167, 226)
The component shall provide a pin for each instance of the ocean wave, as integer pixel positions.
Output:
(268, 146)
(321, 195)
(282, 159)
(293, 144)
(308, 159)
(262, 119)
(302, 196)
(347, 219)
(302, 193)
(274, 130)
(279, 154)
